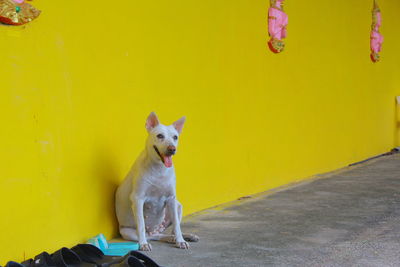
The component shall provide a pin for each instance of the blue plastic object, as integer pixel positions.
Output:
(112, 249)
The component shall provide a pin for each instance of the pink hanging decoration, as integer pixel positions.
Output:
(277, 22)
(376, 37)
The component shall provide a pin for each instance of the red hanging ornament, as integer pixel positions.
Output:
(17, 12)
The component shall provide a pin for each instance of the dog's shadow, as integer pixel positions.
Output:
(105, 169)
(397, 124)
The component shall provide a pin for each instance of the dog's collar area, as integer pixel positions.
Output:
(159, 154)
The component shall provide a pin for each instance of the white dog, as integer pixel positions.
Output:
(146, 202)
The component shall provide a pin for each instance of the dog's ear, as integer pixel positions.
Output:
(152, 121)
(178, 125)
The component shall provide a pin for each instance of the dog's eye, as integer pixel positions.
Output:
(175, 137)
(160, 136)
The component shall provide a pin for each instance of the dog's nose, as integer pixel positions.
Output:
(171, 150)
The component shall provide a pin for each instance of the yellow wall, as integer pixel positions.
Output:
(78, 83)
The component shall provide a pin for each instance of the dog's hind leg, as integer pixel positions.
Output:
(190, 237)
(163, 238)
(128, 233)
(171, 238)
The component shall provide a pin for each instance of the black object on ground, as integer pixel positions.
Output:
(147, 261)
(13, 264)
(42, 260)
(85, 255)
(91, 254)
(129, 261)
(67, 258)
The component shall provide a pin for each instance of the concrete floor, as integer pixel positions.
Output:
(349, 218)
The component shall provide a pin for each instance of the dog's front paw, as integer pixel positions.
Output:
(145, 247)
(182, 245)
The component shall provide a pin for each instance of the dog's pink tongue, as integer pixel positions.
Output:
(167, 161)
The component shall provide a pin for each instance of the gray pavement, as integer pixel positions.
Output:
(347, 218)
